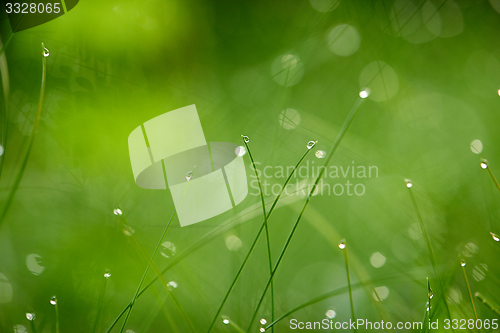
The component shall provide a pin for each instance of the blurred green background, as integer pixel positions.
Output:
(433, 72)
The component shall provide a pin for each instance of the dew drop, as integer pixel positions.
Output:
(462, 263)
(495, 237)
(263, 321)
(168, 249)
(408, 183)
(46, 52)
(342, 245)
(262, 329)
(30, 316)
(225, 321)
(117, 212)
(484, 164)
(245, 138)
(1, 150)
(320, 154)
(189, 175)
(172, 285)
(53, 300)
(476, 146)
(364, 93)
(107, 274)
(430, 293)
(240, 151)
(331, 314)
(311, 144)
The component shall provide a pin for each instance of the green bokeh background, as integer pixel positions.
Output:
(116, 64)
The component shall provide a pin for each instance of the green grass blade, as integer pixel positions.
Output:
(20, 173)
(233, 283)
(343, 130)
(264, 214)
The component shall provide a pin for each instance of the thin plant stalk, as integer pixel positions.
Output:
(349, 285)
(264, 214)
(429, 248)
(489, 304)
(427, 307)
(56, 306)
(347, 123)
(273, 206)
(236, 327)
(493, 178)
(32, 324)
(140, 250)
(152, 257)
(99, 304)
(20, 173)
(468, 289)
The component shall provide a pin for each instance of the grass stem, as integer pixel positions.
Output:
(20, 173)
(273, 206)
(336, 143)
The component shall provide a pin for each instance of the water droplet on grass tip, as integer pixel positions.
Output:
(46, 52)
(117, 212)
(107, 274)
(262, 329)
(189, 175)
(53, 300)
(263, 321)
(408, 183)
(172, 285)
(364, 93)
(225, 321)
(495, 237)
(462, 263)
(245, 138)
(311, 144)
(484, 164)
(342, 245)
(30, 316)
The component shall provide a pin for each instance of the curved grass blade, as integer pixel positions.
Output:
(264, 214)
(255, 242)
(20, 173)
(352, 114)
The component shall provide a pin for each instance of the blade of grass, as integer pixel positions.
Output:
(233, 283)
(331, 294)
(343, 247)
(429, 248)
(142, 253)
(468, 289)
(340, 135)
(20, 173)
(99, 303)
(264, 214)
(201, 243)
(489, 304)
(154, 252)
